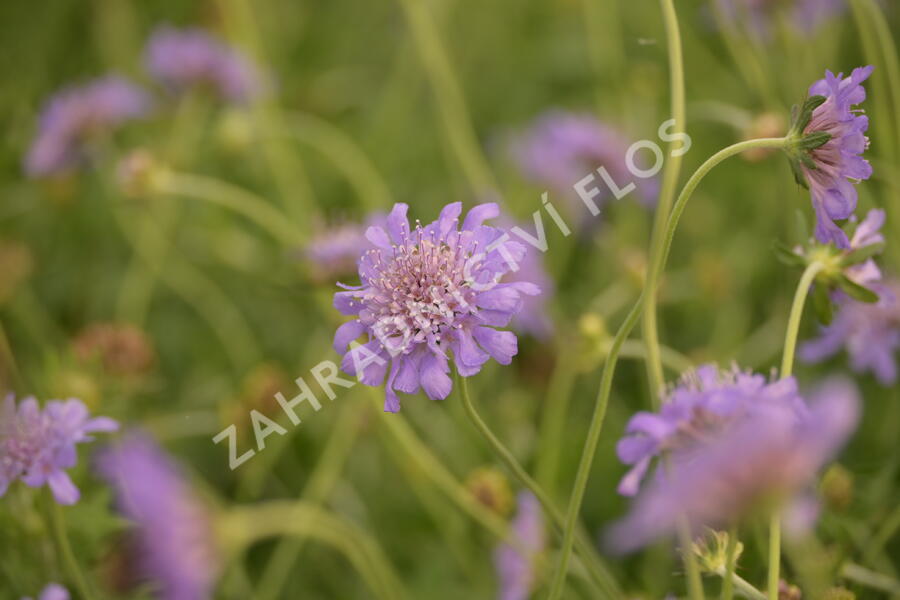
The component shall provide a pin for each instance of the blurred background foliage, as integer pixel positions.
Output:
(251, 318)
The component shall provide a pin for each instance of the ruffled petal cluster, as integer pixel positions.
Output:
(429, 295)
(38, 445)
(75, 114)
(182, 59)
(173, 536)
(837, 164)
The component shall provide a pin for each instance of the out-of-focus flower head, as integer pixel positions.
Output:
(766, 459)
(534, 318)
(828, 139)
(121, 349)
(77, 113)
(429, 293)
(173, 535)
(491, 489)
(561, 148)
(762, 15)
(870, 333)
(183, 59)
(335, 251)
(53, 591)
(516, 569)
(38, 445)
(705, 403)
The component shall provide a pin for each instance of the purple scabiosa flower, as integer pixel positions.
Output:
(562, 148)
(181, 59)
(516, 570)
(173, 536)
(53, 591)
(831, 165)
(870, 332)
(75, 114)
(427, 293)
(37, 446)
(769, 456)
(706, 402)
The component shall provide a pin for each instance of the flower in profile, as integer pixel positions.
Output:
(53, 591)
(515, 568)
(767, 459)
(427, 293)
(77, 113)
(121, 349)
(829, 139)
(870, 332)
(183, 59)
(37, 446)
(705, 403)
(173, 536)
(561, 148)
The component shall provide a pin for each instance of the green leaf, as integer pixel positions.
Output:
(813, 140)
(860, 254)
(856, 291)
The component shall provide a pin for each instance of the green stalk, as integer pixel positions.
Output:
(599, 574)
(730, 560)
(449, 97)
(590, 446)
(58, 524)
(666, 196)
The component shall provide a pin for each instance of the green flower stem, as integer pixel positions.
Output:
(787, 366)
(242, 527)
(7, 361)
(449, 97)
(744, 588)
(345, 154)
(321, 482)
(58, 524)
(691, 567)
(886, 531)
(236, 199)
(553, 419)
(730, 560)
(871, 579)
(656, 267)
(599, 574)
(666, 196)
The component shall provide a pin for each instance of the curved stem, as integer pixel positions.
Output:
(787, 367)
(235, 199)
(598, 573)
(656, 266)
(65, 550)
(666, 196)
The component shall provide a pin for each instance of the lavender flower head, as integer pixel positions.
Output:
(515, 570)
(37, 446)
(705, 403)
(426, 293)
(770, 455)
(563, 148)
(181, 59)
(53, 591)
(869, 332)
(75, 114)
(173, 535)
(830, 170)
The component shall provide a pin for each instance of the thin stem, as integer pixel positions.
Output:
(869, 578)
(599, 574)
(746, 589)
(449, 97)
(730, 560)
(609, 368)
(691, 567)
(236, 199)
(65, 550)
(666, 196)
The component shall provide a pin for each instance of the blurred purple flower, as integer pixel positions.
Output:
(181, 59)
(761, 15)
(533, 319)
(428, 291)
(335, 251)
(37, 446)
(838, 162)
(869, 332)
(867, 233)
(173, 535)
(562, 148)
(75, 114)
(769, 455)
(53, 591)
(515, 570)
(705, 403)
